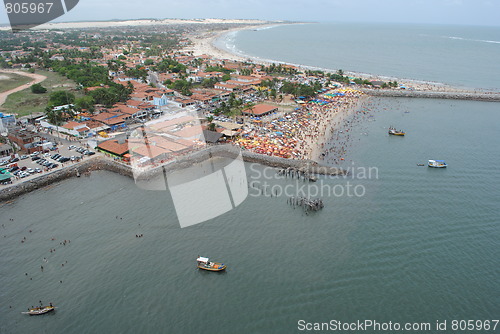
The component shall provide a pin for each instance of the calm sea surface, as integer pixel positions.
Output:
(419, 245)
(458, 55)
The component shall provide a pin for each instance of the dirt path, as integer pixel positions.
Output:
(37, 78)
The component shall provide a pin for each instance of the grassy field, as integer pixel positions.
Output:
(9, 81)
(25, 102)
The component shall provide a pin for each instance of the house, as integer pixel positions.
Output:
(5, 150)
(227, 87)
(81, 128)
(114, 148)
(260, 110)
(112, 119)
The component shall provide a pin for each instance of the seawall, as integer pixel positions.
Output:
(101, 163)
(475, 96)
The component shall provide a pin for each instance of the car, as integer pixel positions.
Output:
(13, 169)
(24, 156)
(30, 170)
(35, 158)
(53, 148)
(38, 170)
(24, 168)
(46, 154)
(14, 160)
(64, 159)
(56, 156)
(35, 153)
(70, 147)
(89, 153)
(6, 162)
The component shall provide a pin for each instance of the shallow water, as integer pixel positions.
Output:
(458, 55)
(421, 244)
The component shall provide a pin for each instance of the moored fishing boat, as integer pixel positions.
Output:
(205, 264)
(437, 164)
(394, 132)
(40, 310)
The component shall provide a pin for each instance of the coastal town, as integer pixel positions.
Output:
(143, 96)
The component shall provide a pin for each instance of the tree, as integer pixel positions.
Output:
(54, 116)
(61, 97)
(211, 125)
(85, 102)
(38, 89)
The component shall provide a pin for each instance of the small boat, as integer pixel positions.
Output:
(420, 165)
(40, 310)
(205, 264)
(394, 132)
(437, 164)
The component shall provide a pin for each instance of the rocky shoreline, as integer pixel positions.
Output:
(100, 163)
(475, 96)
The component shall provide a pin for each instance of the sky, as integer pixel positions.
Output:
(461, 12)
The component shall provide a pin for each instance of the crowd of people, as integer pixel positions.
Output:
(307, 131)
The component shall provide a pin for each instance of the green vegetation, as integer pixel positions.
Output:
(232, 108)
(300, 89)
(83, 73)
(38, 89)
(13, 81)
(25, 102)
(218, 69)
(61, 97)
(111, 95)
(183, 86)
(85, 102)
(170, 65)
(279, 69)
(390, 84)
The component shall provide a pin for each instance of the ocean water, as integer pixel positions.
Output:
(417, 245)
(465, 56)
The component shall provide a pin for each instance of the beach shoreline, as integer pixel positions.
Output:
(206, 44)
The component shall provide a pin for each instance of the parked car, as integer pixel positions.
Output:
(89, 153)
(30, 170)
(14, 160)
(35, 158)
(38, 170)
(24, 168)
(24, 156)
(13, 169)
(35, 153)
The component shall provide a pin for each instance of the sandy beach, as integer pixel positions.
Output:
(138, 23)
(205, 44)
